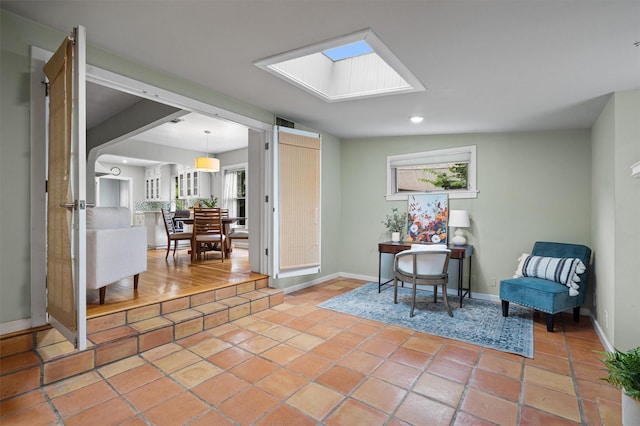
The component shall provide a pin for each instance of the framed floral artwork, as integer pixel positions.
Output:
(427, 218)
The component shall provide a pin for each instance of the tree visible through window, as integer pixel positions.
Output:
(235, 192)
(451, 170)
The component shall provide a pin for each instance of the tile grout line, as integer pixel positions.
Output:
(573, 374)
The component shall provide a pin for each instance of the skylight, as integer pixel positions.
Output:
(354, 66)
(346, 51)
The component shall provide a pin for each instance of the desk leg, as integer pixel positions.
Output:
(469, 289)
(462, 291)
(380, 283)
(460, 272)
(379, 271)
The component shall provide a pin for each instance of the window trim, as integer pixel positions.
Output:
(430, 157)
(234, 168)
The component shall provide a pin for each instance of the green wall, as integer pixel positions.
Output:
(616, 219)
(15, 296)
(332, 215)
(533, 186)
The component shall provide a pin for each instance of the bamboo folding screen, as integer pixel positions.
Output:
(60, 291)
(299, 201)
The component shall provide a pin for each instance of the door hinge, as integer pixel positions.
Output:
(46, 88)
(266, 198)
(266, 146)
(266, 252)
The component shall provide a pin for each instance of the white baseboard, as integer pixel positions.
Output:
(17, 325)
(603, 339)
(307, 284)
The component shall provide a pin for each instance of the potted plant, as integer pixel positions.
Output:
(395, 223)
(624, 373)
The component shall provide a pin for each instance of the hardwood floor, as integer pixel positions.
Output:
(172, 278)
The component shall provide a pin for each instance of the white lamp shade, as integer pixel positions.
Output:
(459, 219)
(206, 164)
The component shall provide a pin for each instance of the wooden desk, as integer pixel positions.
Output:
(457, 252)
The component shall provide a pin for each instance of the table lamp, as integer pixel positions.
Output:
(459, 219)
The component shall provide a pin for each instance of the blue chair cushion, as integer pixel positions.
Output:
(546, 295)
(537, 293)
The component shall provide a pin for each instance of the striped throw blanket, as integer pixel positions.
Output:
(563, 270)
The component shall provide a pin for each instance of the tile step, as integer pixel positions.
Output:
(43, 356)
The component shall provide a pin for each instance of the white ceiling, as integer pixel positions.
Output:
(489, 66)
(188, 133)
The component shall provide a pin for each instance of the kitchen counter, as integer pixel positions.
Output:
(156, 233)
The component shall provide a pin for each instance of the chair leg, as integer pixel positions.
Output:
(550, 323)
(195, 251)
(576, 314)
(103, 293)
(395, 290)
(446, 301)
(135, 281)
(505, 308)
(413, 300)
(435, 293)
(168, 248)
(175, 246)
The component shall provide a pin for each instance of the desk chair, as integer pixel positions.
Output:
(422, 265)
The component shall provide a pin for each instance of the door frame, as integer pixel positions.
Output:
(129, 181)
(260, 134)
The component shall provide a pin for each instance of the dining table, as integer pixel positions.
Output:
(226, 229)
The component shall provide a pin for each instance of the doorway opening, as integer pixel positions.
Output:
(259, 135)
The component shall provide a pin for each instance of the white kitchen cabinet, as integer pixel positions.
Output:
(193, 183)
(157, 183)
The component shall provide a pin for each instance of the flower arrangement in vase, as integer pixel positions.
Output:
(395, 223)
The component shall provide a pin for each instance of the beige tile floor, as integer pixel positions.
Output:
(298, 364)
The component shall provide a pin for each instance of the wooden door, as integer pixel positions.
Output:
(66, 189)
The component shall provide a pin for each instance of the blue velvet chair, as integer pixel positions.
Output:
(546, 295)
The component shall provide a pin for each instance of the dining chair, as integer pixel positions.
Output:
(172, 233)
(208, 232)
(423, 264)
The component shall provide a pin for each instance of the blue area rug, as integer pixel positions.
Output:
(478, 321)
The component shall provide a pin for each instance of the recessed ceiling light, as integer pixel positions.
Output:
(354, 66)
(125, 161)
(416, 119)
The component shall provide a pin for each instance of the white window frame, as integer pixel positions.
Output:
(233, 168)
(466, 153)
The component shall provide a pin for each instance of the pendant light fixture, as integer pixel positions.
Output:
(206, 164)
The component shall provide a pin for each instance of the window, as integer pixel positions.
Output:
(346, 51)
(451, 171)
(235, 194)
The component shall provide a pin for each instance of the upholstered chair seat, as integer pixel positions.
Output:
(544, 294)
(115, 249)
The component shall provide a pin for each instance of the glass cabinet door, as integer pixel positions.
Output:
(196, 191)
(189, 184)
